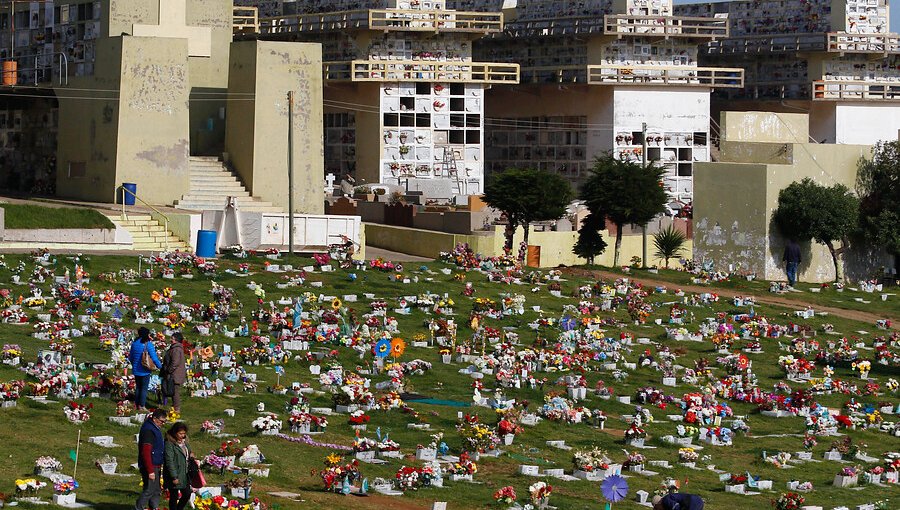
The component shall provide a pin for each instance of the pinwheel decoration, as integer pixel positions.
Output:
(382, 348)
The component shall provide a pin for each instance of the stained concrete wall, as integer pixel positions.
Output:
(153, 137)
(764, 127)
(260, 155)
(734, 200)
(209, 75)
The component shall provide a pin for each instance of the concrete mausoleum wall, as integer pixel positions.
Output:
(736, 196)
(256, 131)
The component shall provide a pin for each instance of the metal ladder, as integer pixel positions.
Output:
(448, 164)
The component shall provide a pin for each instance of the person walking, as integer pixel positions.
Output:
(792, 259)
(178, 455)
(144, 362)
(151, 456)
(173, 370)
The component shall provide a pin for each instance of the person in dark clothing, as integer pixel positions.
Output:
(173, 368)
(151, 457)
(178, 456)
(677, 501)
(792, 260)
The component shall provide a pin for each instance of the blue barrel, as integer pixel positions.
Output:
(206, 243)
(129, 193)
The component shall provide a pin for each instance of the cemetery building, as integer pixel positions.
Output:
(155, 93)
(836, 59)
(592, 73)
(404, 96)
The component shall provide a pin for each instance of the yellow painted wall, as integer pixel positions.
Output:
(764, 127)
(556, 247)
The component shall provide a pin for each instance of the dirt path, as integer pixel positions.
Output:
(769, 299)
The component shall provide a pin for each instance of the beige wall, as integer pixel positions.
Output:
(153, 137)
(277, 67)
(734, 200)
(209, 75)
(88, 131)
(764, 127)
(142, 137)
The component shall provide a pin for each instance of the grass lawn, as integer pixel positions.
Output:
(29, 216)
(33, 429)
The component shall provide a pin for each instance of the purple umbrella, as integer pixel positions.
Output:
(614, 488)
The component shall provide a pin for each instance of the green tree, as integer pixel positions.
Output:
(826, 214)
(668, 243)
(527, 195)
(624, 192)
(878, 186)
(590, 241)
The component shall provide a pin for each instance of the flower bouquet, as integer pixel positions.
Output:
(46, 465)
(240, 486)
(65, 492)
(77, 413)
(464, 469)
(540, 494)
(358, 420)
(505, 495)
(590, 463)
(267, 425)
(687, 455)
(788, 501)
(28, 487)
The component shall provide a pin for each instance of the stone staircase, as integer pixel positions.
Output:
(212, 182)
(147, 234)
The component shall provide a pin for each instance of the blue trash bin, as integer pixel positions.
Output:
(128, 196)
(206, 244)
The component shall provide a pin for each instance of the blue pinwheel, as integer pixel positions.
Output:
(382, 348)
(614, 489)
(568, 323)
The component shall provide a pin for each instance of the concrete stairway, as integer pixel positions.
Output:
(147, 234)
(212, 182)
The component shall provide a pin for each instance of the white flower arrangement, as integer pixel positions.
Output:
(268, 422)
(48, 463)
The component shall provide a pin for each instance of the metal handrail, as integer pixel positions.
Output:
(125, 215)
(63, 65)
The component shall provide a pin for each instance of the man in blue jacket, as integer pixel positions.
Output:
(151, 456)
(142, 344)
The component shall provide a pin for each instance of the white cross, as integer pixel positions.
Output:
(329, 182)
(173, 24)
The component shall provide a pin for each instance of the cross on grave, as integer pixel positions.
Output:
(173, 25)
(329, 182)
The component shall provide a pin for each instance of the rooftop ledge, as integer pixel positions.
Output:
(852, 90)
(420, 70)
(623, 25)
(387, 20)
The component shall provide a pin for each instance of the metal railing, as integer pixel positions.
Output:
(843, 42)
(665, 26)
(124, 190)
(245, 20)
(404, 20)
(770, 43)
(39, 71)
(835, 90)
(564, 25)
(715, 77)
(421, 70)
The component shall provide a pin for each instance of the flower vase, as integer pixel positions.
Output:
(508, 439)
(543, 502)
(64, 499)
(445, 359)
(361, 427)
(240, 492)
(269, 432)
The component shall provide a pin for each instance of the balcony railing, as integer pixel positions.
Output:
(387, 20)
(665, 26)
(715, 77)
(245, 20)
(842, 42)
(836, 90)
(418, 70)
(555, 26)
(757, 44)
